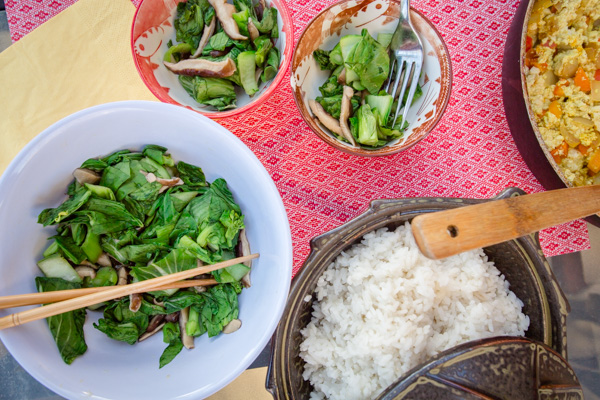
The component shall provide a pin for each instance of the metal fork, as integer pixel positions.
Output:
(407, 50)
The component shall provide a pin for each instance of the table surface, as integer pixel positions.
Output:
(576, 272)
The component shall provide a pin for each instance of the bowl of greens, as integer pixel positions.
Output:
(218, 58)
(125, 192)
(339, 72)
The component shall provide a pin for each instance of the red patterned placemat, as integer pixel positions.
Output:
(470, 154)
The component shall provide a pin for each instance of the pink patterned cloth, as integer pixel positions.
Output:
(471, 153)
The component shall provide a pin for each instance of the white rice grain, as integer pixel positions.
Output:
(383, 308)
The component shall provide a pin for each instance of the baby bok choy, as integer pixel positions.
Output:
(352, 104)
(222, 46)
(133, 216)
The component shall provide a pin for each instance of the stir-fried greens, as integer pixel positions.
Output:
(352, 104)
(133, 216)
(222, 46)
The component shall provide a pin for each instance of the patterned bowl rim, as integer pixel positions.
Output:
(288, 28)
(445, 92)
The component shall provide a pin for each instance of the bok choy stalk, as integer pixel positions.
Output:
(148, 216)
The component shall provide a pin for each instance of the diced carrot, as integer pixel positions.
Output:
(560, 152)
(528, 43)
(594, 162)
(555, 109)
(582, 80)
(597, 75)
(559, 91)
(583, 149)
(543, 67)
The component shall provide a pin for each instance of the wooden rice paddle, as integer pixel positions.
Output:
(446, 233)
(112, 293)
(29, 299)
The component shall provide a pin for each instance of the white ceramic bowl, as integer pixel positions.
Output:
(37, 178)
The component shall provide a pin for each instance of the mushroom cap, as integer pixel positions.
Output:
(202, 67)
(327, 120)
(224, 13)
(345, 113)
(252, 30)
(232, 326)
(84, 175)
(206, 34)
(86, 271)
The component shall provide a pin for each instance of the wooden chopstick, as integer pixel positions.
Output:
(29, 299)
(114, 292)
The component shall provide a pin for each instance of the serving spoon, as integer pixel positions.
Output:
(446, 233)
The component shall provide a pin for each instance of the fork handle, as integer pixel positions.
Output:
(405, 8)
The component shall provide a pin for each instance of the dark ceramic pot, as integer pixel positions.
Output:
(494, 368)
(521, 261)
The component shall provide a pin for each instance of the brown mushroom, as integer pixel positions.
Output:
(252, 30)
(233, 326)
(173, 317)
(84, 175)
(187, 340)
(243, 249)
(154, 322)
(260, 8)
(147, 334)
(206, 34)
(345, 113)
(327, 120)
(201, 67)
(135, 302)
(224, 13)
(150, 177)
(104, 260)
(88, 264)
(85, 271)
(170, 182)
(122, 273)
(342, 77)
(158, 303)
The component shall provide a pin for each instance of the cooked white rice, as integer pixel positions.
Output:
(383, 308)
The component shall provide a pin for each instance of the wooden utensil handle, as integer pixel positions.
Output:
(112, 293)
(445, 233)
(19, 300)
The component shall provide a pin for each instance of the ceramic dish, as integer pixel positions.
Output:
(377, 16)
(37, 178)
(521, 261)
(153, 27)
(500, 367)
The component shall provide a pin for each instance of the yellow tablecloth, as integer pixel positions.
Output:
(94, 67)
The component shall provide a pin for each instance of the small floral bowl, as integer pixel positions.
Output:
(377, 16)
(152, 29)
